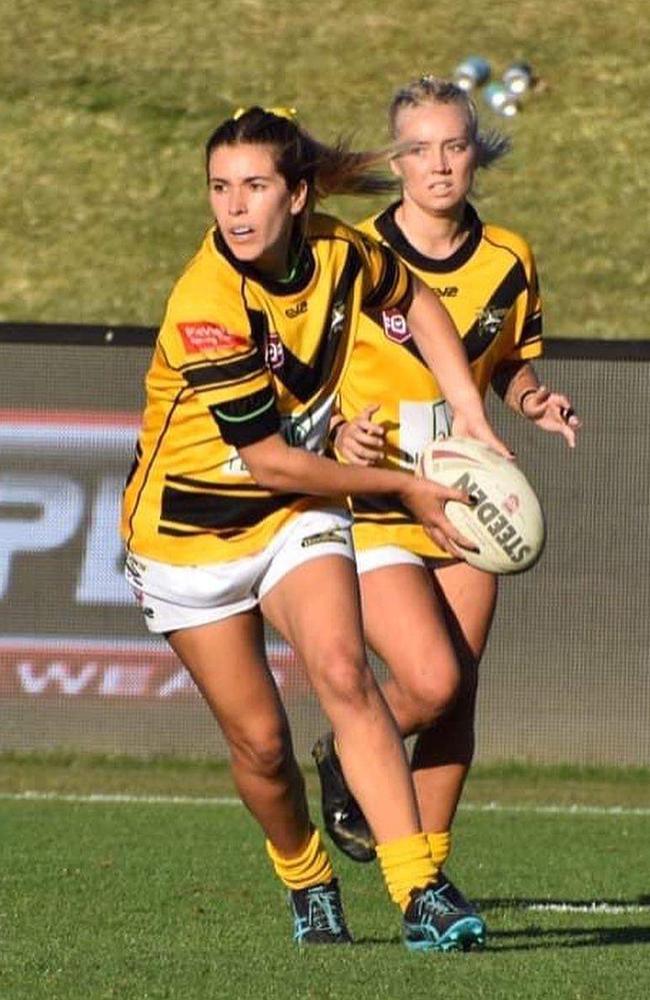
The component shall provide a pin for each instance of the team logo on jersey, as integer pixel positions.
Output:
(203, 335)
(274, 350)
(490, 321)
(338, 317)
(446, 291)
(395, 326)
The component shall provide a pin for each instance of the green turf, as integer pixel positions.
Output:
(138, 901)
(106, 104)
(82, 774)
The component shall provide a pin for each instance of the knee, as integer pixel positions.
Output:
(345, 678)
(426, 697)
(262, 750)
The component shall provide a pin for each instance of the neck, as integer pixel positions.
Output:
(283, 263)
(292, 267)
(275, 266)
(436, 235)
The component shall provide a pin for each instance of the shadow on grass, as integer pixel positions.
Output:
(536, 937)
(539, 938)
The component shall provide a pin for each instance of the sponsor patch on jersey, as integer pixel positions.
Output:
(395, 326)
(207, 336)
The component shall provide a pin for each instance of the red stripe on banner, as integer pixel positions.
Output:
(84, 418)
(56, 668)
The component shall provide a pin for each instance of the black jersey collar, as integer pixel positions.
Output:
(391, 232)
(304, 274)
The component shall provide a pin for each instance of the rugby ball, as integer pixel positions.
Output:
(507, 521)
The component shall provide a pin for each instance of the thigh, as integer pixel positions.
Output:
(468, 598)
(228, 665)
(405, 623)
(316, 608)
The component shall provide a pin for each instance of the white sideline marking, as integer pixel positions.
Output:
(226, 800)
(172, 800)
(594, 907)
(551, 810)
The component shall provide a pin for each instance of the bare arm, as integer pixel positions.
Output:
(277, 466)
(437, 340)
(520, 389)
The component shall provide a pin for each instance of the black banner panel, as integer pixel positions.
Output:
(564, 678)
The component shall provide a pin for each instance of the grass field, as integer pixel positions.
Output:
(106, 104)
(137, 899)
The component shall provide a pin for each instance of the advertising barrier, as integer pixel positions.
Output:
(565, 674)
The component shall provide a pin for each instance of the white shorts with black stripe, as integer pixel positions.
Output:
(173, 597)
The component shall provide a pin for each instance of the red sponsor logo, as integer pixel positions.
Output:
(395, 326)
(205, 336)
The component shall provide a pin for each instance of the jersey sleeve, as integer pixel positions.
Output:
(387, 282)
(207, 340)
(527, 315)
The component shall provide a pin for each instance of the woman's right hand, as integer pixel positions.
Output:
(360, 441)
(426, 500)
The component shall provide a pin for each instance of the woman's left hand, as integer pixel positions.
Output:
(552, 411)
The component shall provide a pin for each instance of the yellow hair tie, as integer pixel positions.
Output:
(289, 113)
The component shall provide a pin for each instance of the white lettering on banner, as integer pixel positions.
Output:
(57, 675)
(101, 580)
(119, 681)
(179, 683)
(58, 505)
(86, 668)
(61, 558)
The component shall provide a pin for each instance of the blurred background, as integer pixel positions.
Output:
(106, 105)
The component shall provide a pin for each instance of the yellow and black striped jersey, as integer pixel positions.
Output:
(489, 286)
(239, 357)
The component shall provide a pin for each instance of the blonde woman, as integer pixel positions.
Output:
(427, 613)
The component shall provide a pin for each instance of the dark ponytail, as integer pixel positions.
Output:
(326, 169)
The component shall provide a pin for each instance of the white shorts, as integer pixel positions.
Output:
(173, 597)
(392, 555)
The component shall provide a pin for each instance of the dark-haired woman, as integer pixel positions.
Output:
(232, 512)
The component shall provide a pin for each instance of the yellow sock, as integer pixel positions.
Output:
(406, 864)
(311, 867)
(440, 845)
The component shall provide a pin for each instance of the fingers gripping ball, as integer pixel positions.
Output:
(507, 522)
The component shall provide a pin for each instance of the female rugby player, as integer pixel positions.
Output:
(232, 512)
(427, 613)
